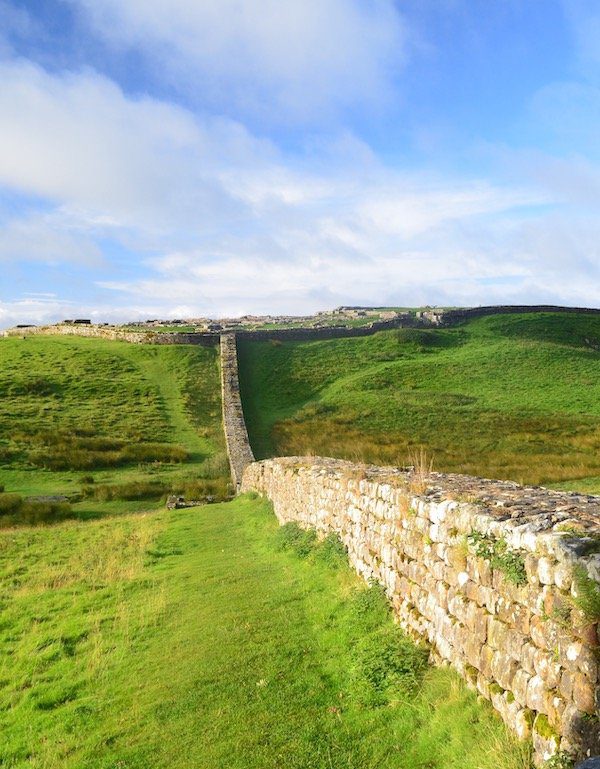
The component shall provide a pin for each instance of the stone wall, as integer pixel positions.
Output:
(451, 317)
(482, 570)
(236, 435)
(114, 334)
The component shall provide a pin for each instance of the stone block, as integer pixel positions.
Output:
(537, 694)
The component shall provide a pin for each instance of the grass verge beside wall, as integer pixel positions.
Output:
(190, 638)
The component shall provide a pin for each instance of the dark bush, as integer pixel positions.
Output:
(300, 541)
(332, 551)
(153, 490)
(84, 453)
(387, 662)
(16, 511)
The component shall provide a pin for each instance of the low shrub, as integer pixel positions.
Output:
(72, 452)
(17, 511)
(509, 562)
(292, 537)
(152, 490)
(216, 466)
(588, 594)
(387, 663)
(218, 489)
(332, 551)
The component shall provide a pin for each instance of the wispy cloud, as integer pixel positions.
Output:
(287, 61)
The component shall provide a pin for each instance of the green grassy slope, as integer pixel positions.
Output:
(504, 396)
(187, 640)
(74, 408)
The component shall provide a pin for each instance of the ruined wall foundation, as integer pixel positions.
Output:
(489, 573)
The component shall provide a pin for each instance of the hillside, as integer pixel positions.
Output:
(114, 422)
(190, 638)
(513, 397)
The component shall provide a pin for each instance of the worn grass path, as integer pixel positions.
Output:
(187, 640)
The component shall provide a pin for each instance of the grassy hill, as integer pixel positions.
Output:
(190, 639)
(114, 421)
(507, 396)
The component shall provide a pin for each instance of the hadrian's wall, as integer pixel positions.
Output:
(525, 645)
(115, 334)
(451, 317)
(236, 436)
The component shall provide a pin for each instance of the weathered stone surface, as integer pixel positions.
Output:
(236, 435)
(523, 646)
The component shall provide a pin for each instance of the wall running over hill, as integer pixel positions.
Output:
(436, 543)
(114, 334)
(236, 435)
(452, 317)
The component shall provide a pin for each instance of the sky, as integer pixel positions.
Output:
(181, 158)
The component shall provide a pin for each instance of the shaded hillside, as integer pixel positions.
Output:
(507, 396)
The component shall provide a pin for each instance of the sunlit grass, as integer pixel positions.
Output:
(190, 638)
(503, 397)
(80, 411)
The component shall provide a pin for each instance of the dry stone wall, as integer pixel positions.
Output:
(236, 435)
(482, 570)
(115, 334)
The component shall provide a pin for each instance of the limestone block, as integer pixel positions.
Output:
(583, 694)
(504, 669)
(479, 570)
(545, 571)
(477, 621)
(548, 668)
(483, 686)
(486, 655)
(531, 569)
(497, 633)
(537, 694)
(519, 686)
(566, 685)
(515, 642)
(544, 746)
(522, 723)
(563, 576)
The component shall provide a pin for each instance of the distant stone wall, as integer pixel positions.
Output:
(450, 317)
(436, 542)
(331, 332)
(236, 435)
(114, 334)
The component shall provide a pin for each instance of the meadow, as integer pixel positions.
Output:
(208, 637)
(98, 421)
(506, 396)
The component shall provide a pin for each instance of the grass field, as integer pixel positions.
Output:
(188, 639)
(119, 421)
(504, 397)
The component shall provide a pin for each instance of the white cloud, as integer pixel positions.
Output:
(217, 221)
(46, 238)
(298, 59)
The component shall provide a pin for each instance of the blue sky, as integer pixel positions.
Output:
(220, 157)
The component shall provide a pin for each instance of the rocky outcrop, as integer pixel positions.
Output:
(236, 435)
(489, 573)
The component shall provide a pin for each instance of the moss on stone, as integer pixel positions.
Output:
(541, 725)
